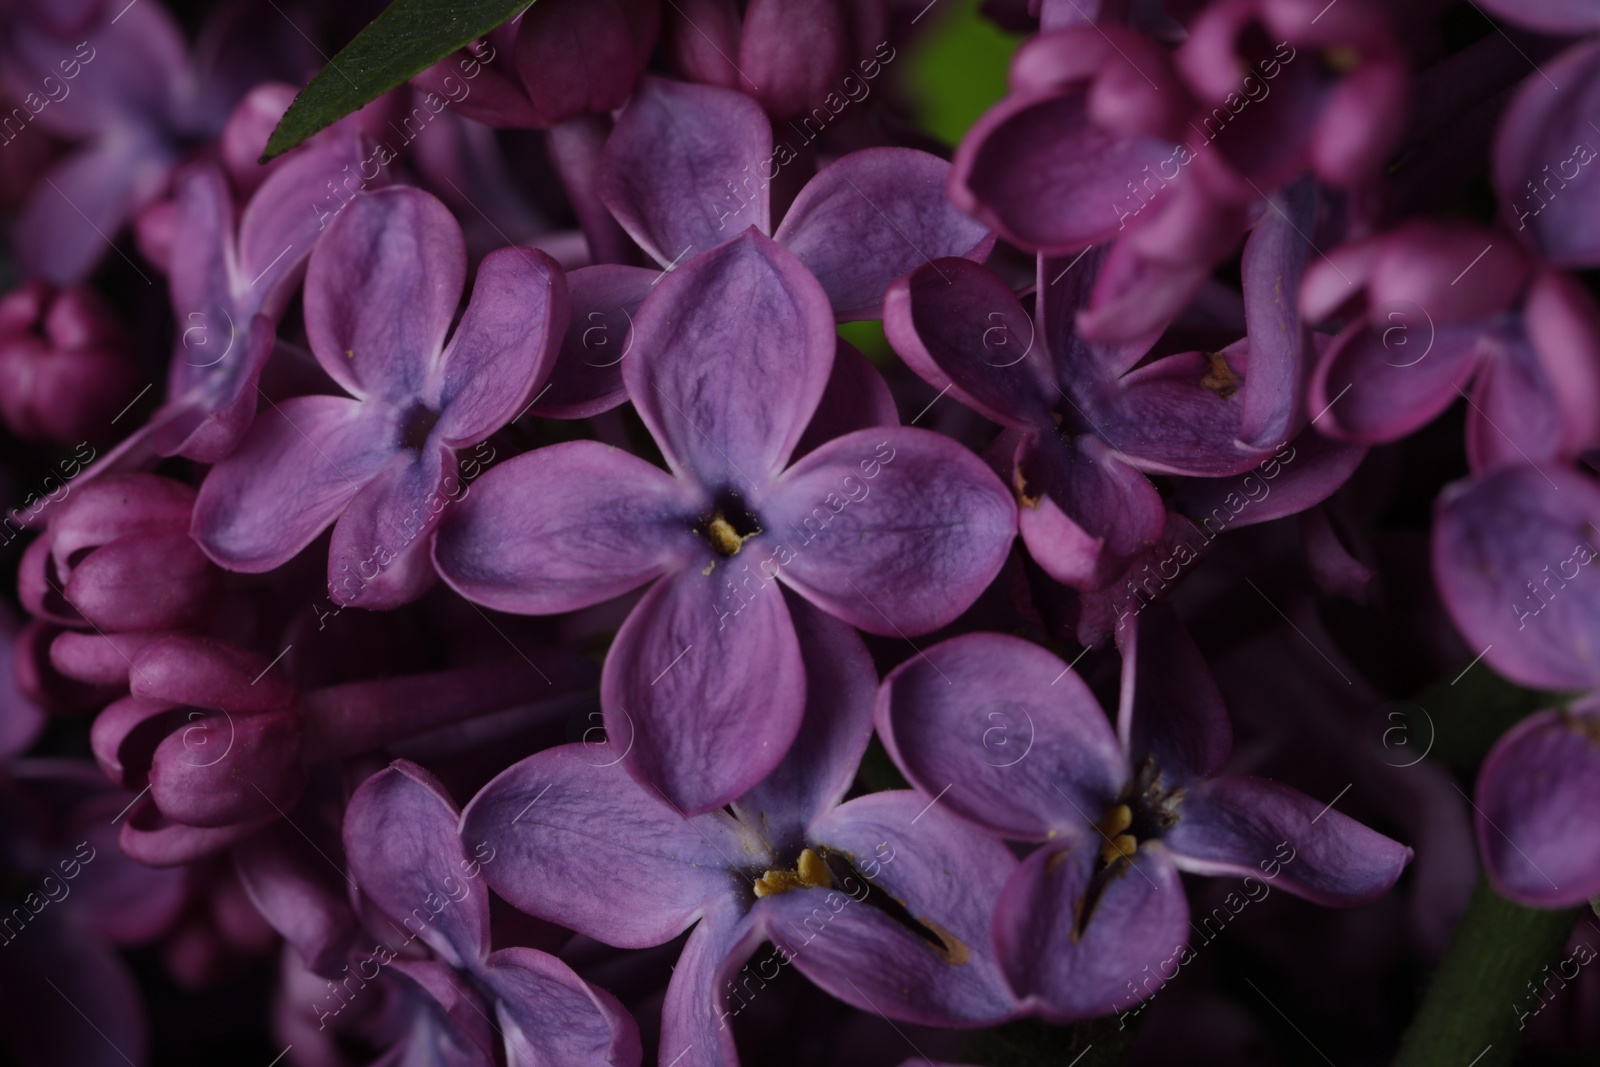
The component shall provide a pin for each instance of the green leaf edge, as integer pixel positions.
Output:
(389, 52)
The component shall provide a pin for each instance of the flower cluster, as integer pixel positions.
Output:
(627, 547)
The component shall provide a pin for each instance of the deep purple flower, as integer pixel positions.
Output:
(1091, 146)
(895, 530)
(1444, 304)
(411, 865)
(127, 93)
(688, 167)
(381, 292)
(883, 901)
(1088, 420)
(1548, 16)
(1010, 739)
(1324, 88)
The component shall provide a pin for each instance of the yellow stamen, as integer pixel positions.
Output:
(1219, 377)
(1117, 844)
(724, 538)
(811, 872)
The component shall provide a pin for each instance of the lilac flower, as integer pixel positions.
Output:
(131, 98)
(1074, 927)
(1324, 89)
(883, 901)
(1085, 419)
(1091, 146)
(688, 167)
(1545, 152)
(895, 530)
(1442, 305)
(381, 291)
(412, 867)
(229, 289)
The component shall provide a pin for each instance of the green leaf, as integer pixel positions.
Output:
(1468, 713)
(957, 71)
(408, 38)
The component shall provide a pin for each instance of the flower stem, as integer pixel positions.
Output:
(1471, 1011)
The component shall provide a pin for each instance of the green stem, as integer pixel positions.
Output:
(1472, 1012)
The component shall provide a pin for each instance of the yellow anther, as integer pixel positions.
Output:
(811, 872)
(724, 538)
(1117, 843)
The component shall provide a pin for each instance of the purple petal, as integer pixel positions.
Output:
(870, 217)
(587, 376)
(503, 348)
(1299, 475)
(958, 325)
(1280, 346)
(1004, 733)
(298, 468)
(279, 870)
(945, 874)
(1181, 414)
(677, 170)
(1065, 285)
(1512, 555)
(695, 1014)
(564, 527)
(1379, 384)
(1542, 157)
(1237, 825)
(379, 556)
(1537, 791)
(571, 838)
(1171, 710)
(227, 769)
(85, 200)
(453, 1028)
(551, 1016)
(710, 688)
(409, 861)
(207, 673)
(285, 217)
(821, 764)
(1138, 922)
(894, 530)
(1040, 171)
(381, 289)
(727, 396)
(1085, 512)
(1515, 416)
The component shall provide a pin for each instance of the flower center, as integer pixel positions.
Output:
(1115, 842)
(1219, 377)
(729, 526)
(417, 424)
(810, 872)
